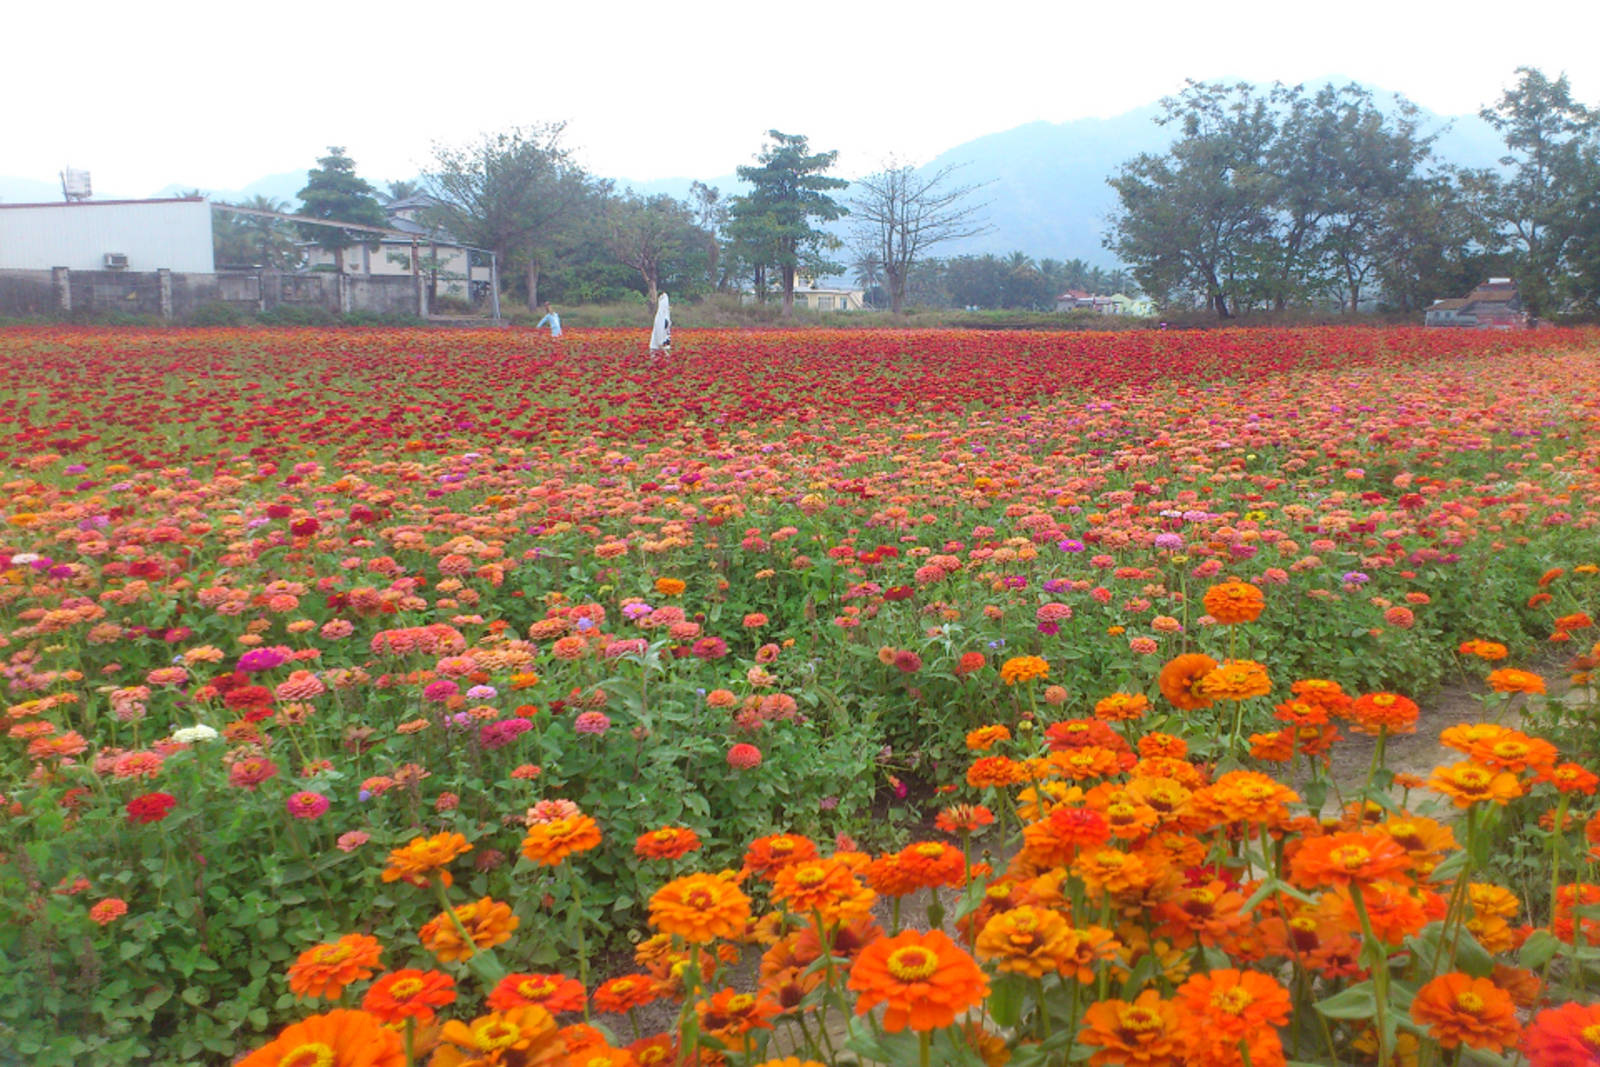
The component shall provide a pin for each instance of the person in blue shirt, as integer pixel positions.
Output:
(553, 319)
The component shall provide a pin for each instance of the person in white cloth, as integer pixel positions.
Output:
(661, 332)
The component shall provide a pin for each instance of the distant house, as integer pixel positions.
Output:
(1494, 305)
(454, 268)
(814, 296)
(1115, 304)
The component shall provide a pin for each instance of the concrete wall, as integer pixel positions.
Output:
(27, 292)
(155, 235)
(174, 295)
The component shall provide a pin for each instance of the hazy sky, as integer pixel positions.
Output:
(217, 95)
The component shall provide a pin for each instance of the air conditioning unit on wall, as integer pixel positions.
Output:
(116, 261)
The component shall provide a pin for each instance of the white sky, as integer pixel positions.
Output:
(219, 94)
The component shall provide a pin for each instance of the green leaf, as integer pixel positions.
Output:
(1357, 1002)
(196, 995)
(1539, 949)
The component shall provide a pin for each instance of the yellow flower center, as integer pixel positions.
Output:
(1140, 1020)
(1350, 857)
(1383, 700)
(406, 987)
(314, 1054)
(782, 844)
(492, 1035)
(1112, 860)
(931, 849)
(536, 988)
(741, 1003)
(912, 963)
(811, 875)
(333, 953)
(1591, 1035)
(666, 836)
(700, 899)
(1203, 896)
(1233, 1000)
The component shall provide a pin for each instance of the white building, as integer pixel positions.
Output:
(135, 235)
(459, 271)
(816, 297)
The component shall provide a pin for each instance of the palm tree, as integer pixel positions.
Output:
(868, 273)
(401, 190)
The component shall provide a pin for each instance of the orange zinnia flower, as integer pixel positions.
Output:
(1056, 839)
(324, 971)
(1179, 681)
(700, 908)
(931, 864)
(1234, 602)
(1024, 669)
(1236, 679)
(1339, 859)
(1511, 680)
(1513, 751)
(986, 737)
(1467, 783)
(667, 843)
(1372, 712)
(549, 843)
(1458, 1009)
(966, 818)
(621, 995)
(416, 860)
(1226, 1005)
(924, 981)
(520, 1035)
(555, 993)
(1564, 1036)
(766, 854)
(1141, 1034)
(409, 994)
(487, 923)
(341, 1038)
(1571, 778)
(730, 1014)
(997, 771)
(826, 886)
(1025, 940)
(1121, 707)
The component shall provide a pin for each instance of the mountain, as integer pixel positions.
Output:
(285, 186)
(28, 191)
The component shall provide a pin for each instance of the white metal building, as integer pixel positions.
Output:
(135, 235)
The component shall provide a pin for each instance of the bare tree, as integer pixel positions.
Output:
(901, 213)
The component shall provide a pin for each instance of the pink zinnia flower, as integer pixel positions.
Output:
(306, 804)
(744, 757)
(349, 842)
(592, 722)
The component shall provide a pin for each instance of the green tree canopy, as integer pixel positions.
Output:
(334, 192)
(772, 225)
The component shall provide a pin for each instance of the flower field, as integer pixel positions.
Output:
(378, 698)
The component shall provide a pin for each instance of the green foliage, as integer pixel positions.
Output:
(216, 313)
(334, 192)
(772, 225)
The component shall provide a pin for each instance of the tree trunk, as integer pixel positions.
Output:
(652, 293)
(1220, 302)
(788, 291)
(713, 253)
(897, 291)
(533, 283)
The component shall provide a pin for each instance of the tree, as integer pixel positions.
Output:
(1192, 221)
(400, 190)
(711, 215)
(513, 192)
(651, 235)
(255, 241)
(867, 272)
(1550, 142)
(900, 214)
(334, 192)
(789, 190)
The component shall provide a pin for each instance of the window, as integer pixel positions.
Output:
(824, 303)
